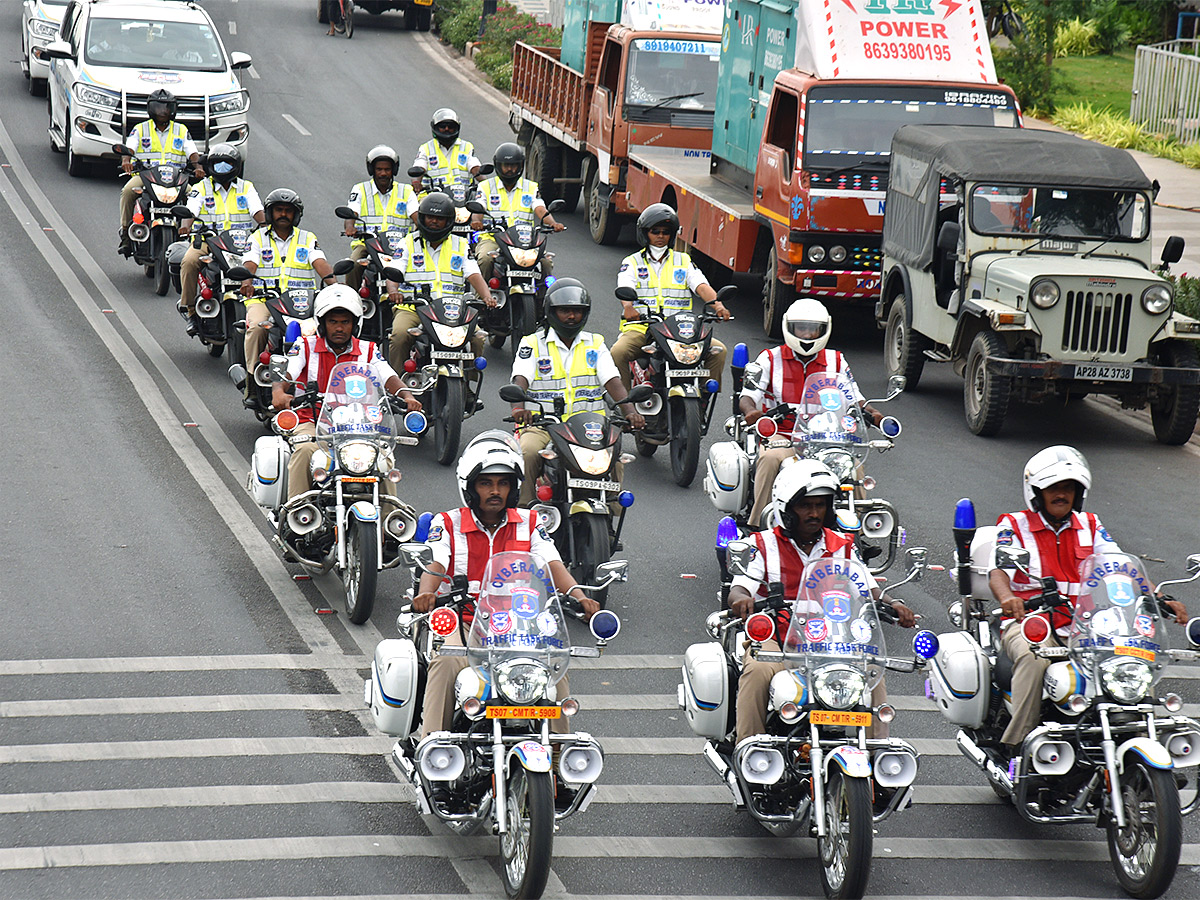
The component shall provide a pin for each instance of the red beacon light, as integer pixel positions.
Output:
(206, 293)
(410, 365)
(766, 427)
(493, 282)
(760, 627)
(442, 622)
(545, 492)
(364, 291)
(1036, 629)
(286, 420)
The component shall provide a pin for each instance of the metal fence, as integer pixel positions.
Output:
(1166, 89)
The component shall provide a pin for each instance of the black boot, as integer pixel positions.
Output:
(193, 325)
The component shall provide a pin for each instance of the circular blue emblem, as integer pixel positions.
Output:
(680, 276)
(591, 357)
(242, 202)
(302, 254)
(456, 261)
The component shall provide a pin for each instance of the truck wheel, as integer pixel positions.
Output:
(776, 296)
(903, 349)
(322, 12)
(1174, 412)
(603, 221)
(986, 395)
(569, 192)
(424, 18)
(543, 165)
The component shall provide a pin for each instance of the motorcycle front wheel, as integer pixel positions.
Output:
(685, 439)
(449, 403)
(845, 851)
(362, 570)
(528, 841)
(162, 272)
(1145, 853)
(592, 547)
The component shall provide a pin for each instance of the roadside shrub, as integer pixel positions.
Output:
(464, 25)
(1024, 66)
(504, 29)
(1187, 294)
(1117, 130)
(1076, 38)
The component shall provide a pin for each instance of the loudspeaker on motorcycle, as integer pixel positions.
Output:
(1052, 757)
(651, 407)
(262, 376)
(139, 232)
(581, 763)
(207, 308)
(304, 519)
(1184, 748)
(761, 765)
(368, 308)
(895, 769)
(548, 517)
(878, 523)
(440, 761)
(401, 524)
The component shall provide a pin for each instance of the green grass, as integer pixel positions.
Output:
(1103, 81)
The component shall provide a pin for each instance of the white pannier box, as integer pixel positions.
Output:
(705, 693)
(391, 694)
(268, 469)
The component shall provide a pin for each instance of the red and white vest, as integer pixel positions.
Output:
(319, 362)
(471, 546)
(786, 375)
(782, 562)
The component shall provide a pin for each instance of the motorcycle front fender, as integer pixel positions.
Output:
(365, 511)
(449, 371)
(588, 507)
(531, 756)
(1142, 749)
(683, 390)
(853, 762)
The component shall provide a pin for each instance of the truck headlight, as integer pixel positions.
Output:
(1156, 299)
(1125, 680)
(522, 681)
(816, 253)
(839, 686)
(357, 457)
(837, 253)
(1044, 294)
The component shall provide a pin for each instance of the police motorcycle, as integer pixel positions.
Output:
(815, 771)
(829, 428)
(155, 225)
(578, 482)
(517, 280)
(440, 357)
(1105, 753)
(678, 346)
(462, 191)
(346, 523)
(499, 766)
(381, 247)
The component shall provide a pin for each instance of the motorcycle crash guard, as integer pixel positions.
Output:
(267, 469)
(1142, 749)
(531, 755)
(854, 762)
(706, 691)
(393, 691)
(365, 511)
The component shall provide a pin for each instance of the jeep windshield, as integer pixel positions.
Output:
(851, 125)
(669, 77)
(180, 46)
(1092, 214)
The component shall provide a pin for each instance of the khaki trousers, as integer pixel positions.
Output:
(765, 471)
(1028, 672)
(256, 338)
(355, 276)
(189, 271)
(629, 345)
(129, 192)
(299, 480)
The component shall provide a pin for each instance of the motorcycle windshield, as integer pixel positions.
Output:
(518, 618)
(829, 421)
(1116, 618)
(835, 624)
(355, 406)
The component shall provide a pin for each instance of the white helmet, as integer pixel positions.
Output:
(493, 452)
(338, 296)
(801, 478)
(806, 327)
(1052, 465)
(382, 151)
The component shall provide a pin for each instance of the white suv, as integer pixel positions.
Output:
(112, 54)
(39, 26)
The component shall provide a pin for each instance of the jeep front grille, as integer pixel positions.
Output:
(1096, 322)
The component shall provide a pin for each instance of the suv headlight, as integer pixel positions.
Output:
(42, 28)
(1044, 294)
(1156, 299)
(1125, 680)
(594, 462)
(450, 336)
(839, 686)
(522, 681)
(816, 253)
(227, 103)
(686, 354)
(357, 457)
(94, 96)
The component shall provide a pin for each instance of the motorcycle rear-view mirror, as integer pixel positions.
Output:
(726, 294)
(391, 273)
(738, 555)
(627, 294)
(239, 273)
(513, 393)
(474, 206)
(640, 393)
(121, 150)
(753, 377)
(416, 556)
(486, 169)
(1012, 558)
(345, 212)
(416, 172)
(555, 206)
(1193, 564)
(613, 570)
(896, 385)
(181, 212)
(343, 266)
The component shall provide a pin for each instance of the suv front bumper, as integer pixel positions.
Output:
(1056, 370)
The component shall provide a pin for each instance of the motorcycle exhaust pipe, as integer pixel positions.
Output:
(237, 374)
(977, 756)
(304, 519)
(139, 232)
(207, 309)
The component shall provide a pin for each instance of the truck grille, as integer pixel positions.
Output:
(1096, 322)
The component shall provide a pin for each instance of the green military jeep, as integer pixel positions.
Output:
(1022, 257)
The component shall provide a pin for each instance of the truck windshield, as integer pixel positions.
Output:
(188, 46)
(679, 75)
(849, 124)
(1064, 211)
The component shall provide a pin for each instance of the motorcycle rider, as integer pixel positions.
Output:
(489, 475)
(432, 256)
(516, 198)
(1059, 536)
(339, 312)
(802, 496)
(806, 329)
(157, 140)
(447, 156)
(282, 253)
(665, 280)
(563, 360)
(221, 200)
(383, 203)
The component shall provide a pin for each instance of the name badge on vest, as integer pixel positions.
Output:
(545, 366)
(591, 356)
(301, 254)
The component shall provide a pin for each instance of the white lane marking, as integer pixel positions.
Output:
(253, 72)
(217, 795)
(233, 27)
(127, 706)
(300, 128)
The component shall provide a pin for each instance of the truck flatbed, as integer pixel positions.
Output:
(691, 167)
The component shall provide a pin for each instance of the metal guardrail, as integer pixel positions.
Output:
(1166, 89)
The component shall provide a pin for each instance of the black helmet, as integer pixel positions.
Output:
(435, 204)
(382, 151)
(567, 293)
(284, 195)
(445, 126)
(161, 100)
(655, 214)
(508, 154)
(224, 163)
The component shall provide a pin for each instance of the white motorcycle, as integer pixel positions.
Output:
(1104, 754)
(499, 763)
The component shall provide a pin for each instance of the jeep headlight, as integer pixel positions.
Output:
(594, 462)
(94, 96)
(839, 686)
(227, 103)
(816, 253)
(357, 457)
(1044, 294)
(686, 354)
(450, 336)
(1125, 680)
(42, 28)
(522, 681)
(1156, 299)
(523, 258)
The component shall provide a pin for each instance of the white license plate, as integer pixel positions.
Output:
(407, 439)
(452, 354)
(593, 485)
(683, 373)
(1104, 373)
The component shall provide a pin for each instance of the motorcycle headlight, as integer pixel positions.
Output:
(839, 463)
(450, 336)
(523, 258)
(686, 354)
(227, 103)
(1044, 294)
(1156, 299)
(839, 686)
(462, 214)
(166, 194)
(1125, 680)
(94, 96)
(594, 462)
(357, 457)
(522, 681)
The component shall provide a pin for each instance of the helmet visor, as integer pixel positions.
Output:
(222, 168)
(157, 108)
(806, 329)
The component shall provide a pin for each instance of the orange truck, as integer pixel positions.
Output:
(809, 94)
(630, 73)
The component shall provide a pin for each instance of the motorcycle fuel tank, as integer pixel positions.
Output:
(705, 693)
(727, 476)
(391, 694)
(960, 679)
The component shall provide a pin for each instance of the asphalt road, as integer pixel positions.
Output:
(180, 722)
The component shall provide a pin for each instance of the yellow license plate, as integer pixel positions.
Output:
(829, 717)
(524, 712)
(359, 480)
(424, 2)
(1139, 652)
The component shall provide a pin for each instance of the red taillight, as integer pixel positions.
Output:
(1035, 628)
(443, 621)
(138, 217)
(265, 357)
(760, 627)
(765, 427)
(286, 420)
(364, 291)
(545, 492)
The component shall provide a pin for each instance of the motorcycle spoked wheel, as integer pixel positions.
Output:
(845, 851)
(1145, 853)
(592, 547)
(685, 439)
(644, 447)
(362, 570)
(527, 844)
(449, 400)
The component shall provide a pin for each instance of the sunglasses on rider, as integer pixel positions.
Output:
(222, 168)
(662, 231)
